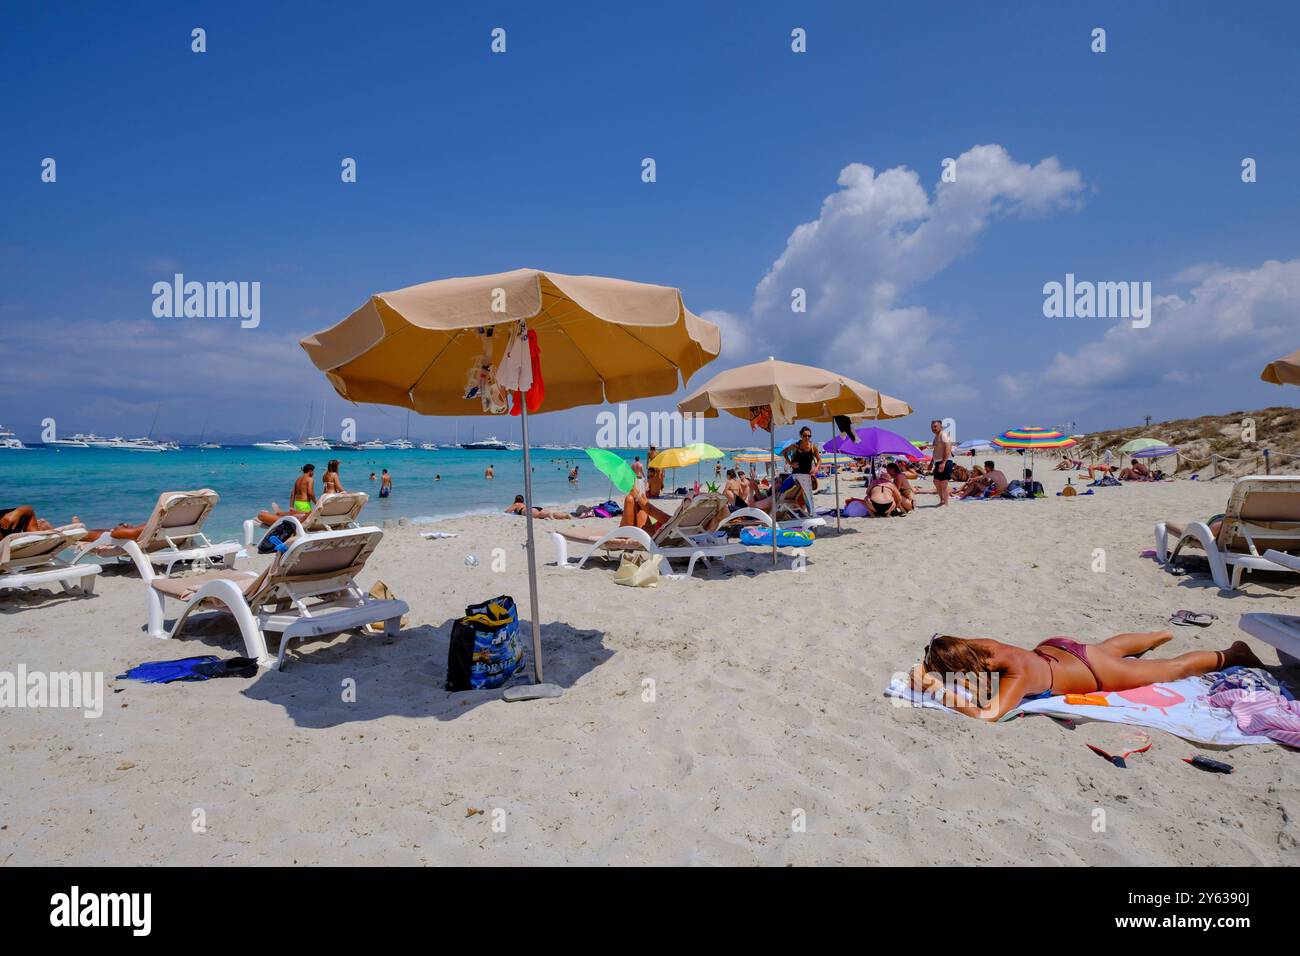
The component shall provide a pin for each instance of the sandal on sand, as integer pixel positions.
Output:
(1193, 617)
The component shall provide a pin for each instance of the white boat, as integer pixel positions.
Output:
(372, 445)
(141, 444)
(318, 443)
(401, 444)
(491, 443)
(282, 444)
(94, 441)
(66, 443)
(207, 446)
(9, 440)
(428, 446)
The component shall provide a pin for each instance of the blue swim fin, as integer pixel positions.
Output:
(190, 668)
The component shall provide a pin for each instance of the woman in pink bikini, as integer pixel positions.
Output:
(1061, 665)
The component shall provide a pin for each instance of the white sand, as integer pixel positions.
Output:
(767, 700)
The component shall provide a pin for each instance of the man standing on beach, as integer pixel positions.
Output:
(943, 460)
(639, 471)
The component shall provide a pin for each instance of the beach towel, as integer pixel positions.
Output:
(1180, 707)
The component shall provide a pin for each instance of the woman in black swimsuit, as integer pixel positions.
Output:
(804, 458)
(803, 455)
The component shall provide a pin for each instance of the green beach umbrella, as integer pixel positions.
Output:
(1137, 444)
(613, 467)
(703, 451)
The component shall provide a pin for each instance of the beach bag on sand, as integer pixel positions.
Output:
(639, 570)
(485, 649)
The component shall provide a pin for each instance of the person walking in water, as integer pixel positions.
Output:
(941, 452)
(385, 484)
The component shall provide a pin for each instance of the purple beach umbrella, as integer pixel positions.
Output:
(872, 442)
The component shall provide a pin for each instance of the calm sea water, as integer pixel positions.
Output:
(105, 486)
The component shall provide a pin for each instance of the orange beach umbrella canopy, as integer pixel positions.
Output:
(600, 340)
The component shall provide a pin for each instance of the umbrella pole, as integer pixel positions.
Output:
(771, 456)
(533, 613)
(837, 484)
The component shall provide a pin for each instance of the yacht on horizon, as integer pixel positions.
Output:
(280, 444)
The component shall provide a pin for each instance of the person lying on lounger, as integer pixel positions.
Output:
(1059, 665)
(638, 512)
(23, 518)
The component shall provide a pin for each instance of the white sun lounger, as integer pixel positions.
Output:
(1262, 511)
(308, 590)
(30, 559)
(172, 535)
(337, 509)
(689, 533)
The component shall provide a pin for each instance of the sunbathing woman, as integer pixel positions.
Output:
(638, 512)
(23, 518)
(1061, 665)
(517, 508)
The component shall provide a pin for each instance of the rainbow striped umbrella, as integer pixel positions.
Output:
(1033, 438)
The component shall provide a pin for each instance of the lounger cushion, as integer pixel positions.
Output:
(183, 588)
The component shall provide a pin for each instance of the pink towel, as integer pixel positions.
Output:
(1262, 713)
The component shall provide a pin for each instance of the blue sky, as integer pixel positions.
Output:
(1119, 166)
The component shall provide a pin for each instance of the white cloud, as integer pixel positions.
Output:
(1228, 325)
(876, 239)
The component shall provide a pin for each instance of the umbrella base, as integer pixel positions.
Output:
(532, 692)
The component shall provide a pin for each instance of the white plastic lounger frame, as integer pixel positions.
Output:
(641, 541)
(1281, 631)
(1261, 509)
(172, 535)
(338, 509)
(763, 518)
(690, 525)
(319, 567)
(30, 559)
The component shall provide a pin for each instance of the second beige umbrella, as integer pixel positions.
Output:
(803, 390)
(1285, 371)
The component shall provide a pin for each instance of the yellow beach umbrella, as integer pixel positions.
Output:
(674, 458)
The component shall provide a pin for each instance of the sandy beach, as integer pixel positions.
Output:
(767, 700)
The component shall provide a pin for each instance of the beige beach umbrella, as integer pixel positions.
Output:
(806, 392)
(599, 340)
(1285, 371)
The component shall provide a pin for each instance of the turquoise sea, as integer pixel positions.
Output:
(105, 486)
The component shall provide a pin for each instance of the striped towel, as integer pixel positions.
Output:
(1262, 713)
